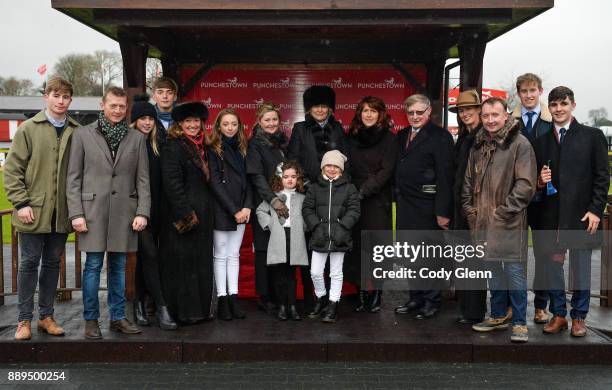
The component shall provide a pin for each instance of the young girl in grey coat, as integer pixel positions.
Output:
(287, 245)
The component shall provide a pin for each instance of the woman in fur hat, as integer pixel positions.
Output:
(319, 133)
(144, 119)
(186, 243)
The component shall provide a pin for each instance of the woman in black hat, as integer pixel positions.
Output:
(319, 133)
(143, 118)
(186, 243)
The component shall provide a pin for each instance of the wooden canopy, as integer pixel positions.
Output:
(304, 32)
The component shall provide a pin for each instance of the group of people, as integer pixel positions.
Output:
(159, 184)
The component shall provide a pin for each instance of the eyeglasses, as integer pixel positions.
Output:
(417, 113)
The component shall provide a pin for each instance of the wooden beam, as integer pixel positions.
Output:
(471, 55)
(435, 86)
(134, 56)
(301, 5)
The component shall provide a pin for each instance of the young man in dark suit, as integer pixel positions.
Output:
(574, 158)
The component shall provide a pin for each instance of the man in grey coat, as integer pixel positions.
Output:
(109, 202)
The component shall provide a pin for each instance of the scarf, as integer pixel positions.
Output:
(164, 116)
(198, 141)
(369, 136)
(113, 134)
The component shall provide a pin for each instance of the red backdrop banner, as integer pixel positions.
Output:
(243, 87)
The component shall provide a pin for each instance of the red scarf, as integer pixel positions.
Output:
(198, 141)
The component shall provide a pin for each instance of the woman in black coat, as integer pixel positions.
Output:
(267, 149)
(310, 139)
(143, 119)
(373, 153)
(232, 207)
(186, 240)
(472, 295)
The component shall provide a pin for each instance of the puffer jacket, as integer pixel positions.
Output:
(330, 210)
(499, 182)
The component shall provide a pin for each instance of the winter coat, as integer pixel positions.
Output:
(309, 142)
(424, 177)
(108, 193)
(158, 199)
(499, 182)
(373, 154)
(580, 173)
(331, 209)
(186, 255)
(541, 126)
(462, 154)
(232, 192)
(35, 174)
(277, 246)
(263, 156)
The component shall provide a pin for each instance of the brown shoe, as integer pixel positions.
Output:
(49, 325)
(556, 325)
(23, 331)
(578, 327)
(124, 326)
(92, 329)
(541, 316)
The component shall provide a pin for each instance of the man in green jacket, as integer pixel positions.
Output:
(35, 183)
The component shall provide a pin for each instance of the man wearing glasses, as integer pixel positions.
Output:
(423, 189)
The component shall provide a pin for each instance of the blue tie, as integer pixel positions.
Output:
(529, 125)
(562, 132)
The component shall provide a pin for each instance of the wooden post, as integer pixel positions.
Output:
(606, 260)
(134, 56)
(1, 266)
(130, 276)
(435, 86)
(14, 258)
(471, 54)
(63, 295)
(77, 262)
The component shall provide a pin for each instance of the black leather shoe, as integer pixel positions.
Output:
(375, 301)
(331, 312)
(282, 313)
(319, 308)
(293, 313)
(235, 307)
(223, 308)
(124, 326)
(408, 307)
(468, 321)
(264, 304)
(140, 316)
(164, 319)
(363, 301)
(426, 312)
(92, 329)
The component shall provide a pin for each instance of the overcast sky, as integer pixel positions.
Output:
(570, 45)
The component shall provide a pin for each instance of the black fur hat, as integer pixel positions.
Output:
(319, 94)
(141, 107)
(190, 109)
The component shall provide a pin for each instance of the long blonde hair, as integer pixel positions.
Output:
(151, 137)
(216, 135)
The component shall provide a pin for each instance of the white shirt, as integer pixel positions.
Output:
(558, 128)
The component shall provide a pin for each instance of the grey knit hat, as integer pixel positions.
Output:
(334, 157)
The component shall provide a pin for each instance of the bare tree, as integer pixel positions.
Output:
(82, 71)
(13, 86)
(599, 117)
(109, 67)
(153, 71)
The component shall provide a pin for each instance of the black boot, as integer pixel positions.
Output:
(376, 301)
(164, 319)
(363, 301)
(139, 313)
(282, 313)
(235, 307)
(330, 312)
(319, 308)
(293, 313)
(223, 309)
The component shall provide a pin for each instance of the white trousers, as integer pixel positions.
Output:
(317, 267)
(226, 258)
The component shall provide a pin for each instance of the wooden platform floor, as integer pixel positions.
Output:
(355, 337)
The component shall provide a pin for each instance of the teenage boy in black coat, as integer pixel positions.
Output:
(574, 158)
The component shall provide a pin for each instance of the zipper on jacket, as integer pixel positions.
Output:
(329, 216)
